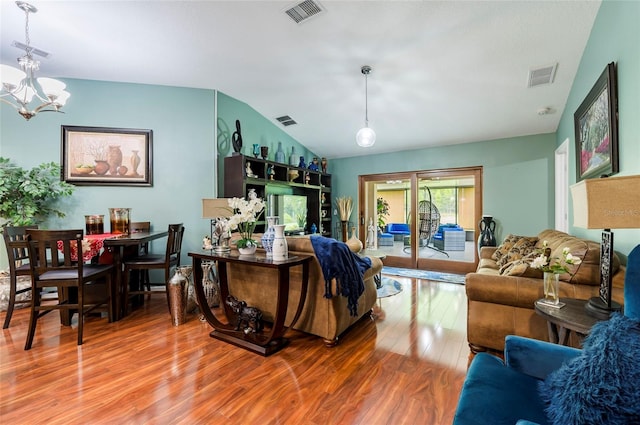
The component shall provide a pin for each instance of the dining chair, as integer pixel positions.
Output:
(139, 227)
(166, 261)
(15, 240)
(79, 285)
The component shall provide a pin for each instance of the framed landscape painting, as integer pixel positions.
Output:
(596, 128)
(106, 156)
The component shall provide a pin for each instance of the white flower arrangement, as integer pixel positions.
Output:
(554, 265)
(245, 215)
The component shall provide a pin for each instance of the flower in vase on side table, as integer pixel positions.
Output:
(245, 215)
(553, 267)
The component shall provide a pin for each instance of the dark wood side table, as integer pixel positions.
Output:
(271, 340)
(561, 321)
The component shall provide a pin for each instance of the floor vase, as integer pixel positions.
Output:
(487, 232)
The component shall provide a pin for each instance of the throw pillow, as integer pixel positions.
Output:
(505, 246)
(523, 247)
(600, 386)
(521, 267)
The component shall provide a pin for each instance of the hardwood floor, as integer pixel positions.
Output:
(405, 367)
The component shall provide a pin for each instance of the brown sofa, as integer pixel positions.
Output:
(503, 304)
(326, 318)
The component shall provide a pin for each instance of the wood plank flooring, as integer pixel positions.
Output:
(406, 366)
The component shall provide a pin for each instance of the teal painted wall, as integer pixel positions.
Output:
(615, 37)
(182, 121)
(517, 174)
(255, 128)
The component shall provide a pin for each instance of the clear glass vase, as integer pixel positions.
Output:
(551, 288)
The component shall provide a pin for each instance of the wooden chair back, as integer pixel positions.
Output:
(15, 241)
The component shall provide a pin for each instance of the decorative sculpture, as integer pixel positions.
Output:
(236, 138)
(251, 317)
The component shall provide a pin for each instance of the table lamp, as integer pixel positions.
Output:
(606, 203)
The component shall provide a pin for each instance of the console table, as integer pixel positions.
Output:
(265, 342)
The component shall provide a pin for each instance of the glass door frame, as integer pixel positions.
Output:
(413, 261)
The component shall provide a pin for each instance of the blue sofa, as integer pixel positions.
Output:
(398, 230)
(497, 392)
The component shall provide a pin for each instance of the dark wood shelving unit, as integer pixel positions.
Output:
(283, 178)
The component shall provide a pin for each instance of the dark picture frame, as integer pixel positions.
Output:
(596, 128)
(102, 156)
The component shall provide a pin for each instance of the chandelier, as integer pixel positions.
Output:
(19, 86)
(366, 137)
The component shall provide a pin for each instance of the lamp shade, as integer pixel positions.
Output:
(215, 208)
(366, 137)
(607, 203)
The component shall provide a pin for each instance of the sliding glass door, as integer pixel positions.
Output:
(425, 219)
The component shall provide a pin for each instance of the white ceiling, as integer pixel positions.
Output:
(444, 72)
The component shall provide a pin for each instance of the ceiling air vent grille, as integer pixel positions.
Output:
(543, 75)
(303, 11)
(286, 120)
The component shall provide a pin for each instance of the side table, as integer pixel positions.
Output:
(561, 321)
(271, 340)
(374, 254)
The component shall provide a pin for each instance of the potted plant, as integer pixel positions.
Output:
(29, 196)
(383, 212)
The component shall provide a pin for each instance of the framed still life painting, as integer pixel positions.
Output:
(106, 156)
(596, 128)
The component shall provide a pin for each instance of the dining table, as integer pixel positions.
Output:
(117, 246)
(111, 248)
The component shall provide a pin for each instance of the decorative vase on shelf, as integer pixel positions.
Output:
(551, 288)
(264, 152)
(280, 153)
(280, 248)
(256, 150)
(487, 232)
(354, 244)
(269, 235)
(293, 158)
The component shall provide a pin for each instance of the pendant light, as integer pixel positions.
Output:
(366, 137)
(21, 89)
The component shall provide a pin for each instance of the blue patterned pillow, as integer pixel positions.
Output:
(601, 385)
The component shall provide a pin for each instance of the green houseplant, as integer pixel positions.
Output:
(383, 211)
(29, 196)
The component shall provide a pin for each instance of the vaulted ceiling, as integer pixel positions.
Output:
(444, 72)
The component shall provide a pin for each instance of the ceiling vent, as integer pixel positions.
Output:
(286, 120)
(543, 75)
(302, 11)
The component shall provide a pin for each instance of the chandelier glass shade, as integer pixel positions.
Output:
(21, 89)
(366, 137)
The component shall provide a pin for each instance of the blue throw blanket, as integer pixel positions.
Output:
(337, 261)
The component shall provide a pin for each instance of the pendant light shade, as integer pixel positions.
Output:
(366, 137)
(20, 88)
